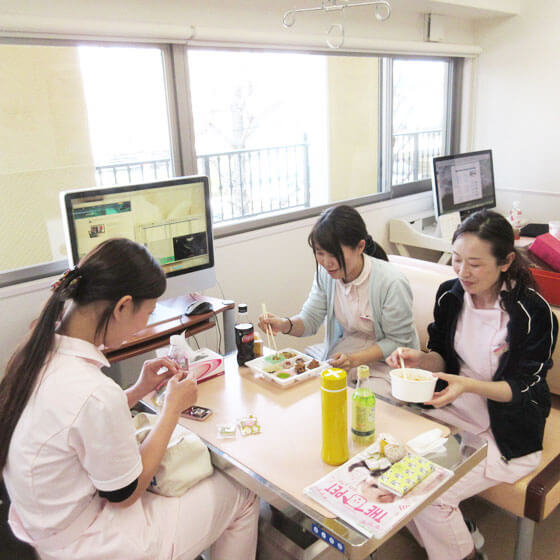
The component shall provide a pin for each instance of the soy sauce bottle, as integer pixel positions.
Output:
(244, 335)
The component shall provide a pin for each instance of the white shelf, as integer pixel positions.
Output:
(476, 9)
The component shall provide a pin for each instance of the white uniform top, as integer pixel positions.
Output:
(75, 437)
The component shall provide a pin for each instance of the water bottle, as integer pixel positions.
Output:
(363, 410)
(244, 335)
(179, 351)
(334, 450)
(515, 218)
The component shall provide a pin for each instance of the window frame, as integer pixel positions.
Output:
(181, 129)
(452, 120)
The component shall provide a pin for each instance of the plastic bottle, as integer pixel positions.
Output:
(363, 410)
(244, 335)
(334, 450)
(257, 345)
(179, 351)
(515, 217)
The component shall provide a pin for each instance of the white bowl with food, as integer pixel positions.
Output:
(412, 384)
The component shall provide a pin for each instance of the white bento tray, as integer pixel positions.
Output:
(259, 366)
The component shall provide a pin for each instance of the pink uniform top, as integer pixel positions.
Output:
(480, 340)
(353, 311)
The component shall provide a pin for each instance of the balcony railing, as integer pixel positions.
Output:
(257, 181)
(243, 183)
(132, 172)
(413, 153)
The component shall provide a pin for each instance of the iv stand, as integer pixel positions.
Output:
(382, 12)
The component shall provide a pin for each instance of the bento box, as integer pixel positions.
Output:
(286, 367)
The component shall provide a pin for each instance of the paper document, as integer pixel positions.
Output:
(466, 181)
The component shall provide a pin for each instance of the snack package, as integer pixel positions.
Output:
(227, 431)
(249, 426)
(406, 474)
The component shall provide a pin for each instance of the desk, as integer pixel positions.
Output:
(285, 458)
(157, 334)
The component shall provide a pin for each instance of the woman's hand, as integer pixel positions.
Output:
(149, 377)
(457, 385)
(410, 357)
(181, 393)
(277, 324)
(343, 361)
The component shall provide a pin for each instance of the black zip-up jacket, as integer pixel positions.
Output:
(532, 330)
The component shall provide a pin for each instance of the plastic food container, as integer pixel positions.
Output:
(287, 371)
(412, 385)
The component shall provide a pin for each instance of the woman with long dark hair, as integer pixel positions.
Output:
(366, 301)
(490, 344)
(75, 475)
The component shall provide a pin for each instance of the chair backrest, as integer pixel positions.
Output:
(425, 278)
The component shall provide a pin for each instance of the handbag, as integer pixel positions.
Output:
(185, 462)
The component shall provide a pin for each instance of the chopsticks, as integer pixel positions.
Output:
(270, 338)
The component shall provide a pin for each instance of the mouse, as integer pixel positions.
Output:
(198, 307)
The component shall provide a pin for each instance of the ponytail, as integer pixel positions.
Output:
(23, 370)
(375, 250)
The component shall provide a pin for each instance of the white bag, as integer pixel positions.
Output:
(185, 462)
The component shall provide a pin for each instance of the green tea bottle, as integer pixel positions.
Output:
(363, 410)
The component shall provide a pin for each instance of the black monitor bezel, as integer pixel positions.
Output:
(466, 207)
(98, 191)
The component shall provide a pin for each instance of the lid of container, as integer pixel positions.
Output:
(363, 372)
(242, 308)
(176, 340)
(333, 379)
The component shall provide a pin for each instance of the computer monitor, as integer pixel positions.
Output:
(463, 183)
(172, 219)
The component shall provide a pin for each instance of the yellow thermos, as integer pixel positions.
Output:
(335, 416)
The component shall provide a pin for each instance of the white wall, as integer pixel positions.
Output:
(253, 16)
(517, 113)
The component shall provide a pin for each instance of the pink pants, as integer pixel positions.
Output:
(440, 527)
(216, 513)
(225, 517)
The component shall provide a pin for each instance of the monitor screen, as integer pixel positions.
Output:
(464, 182)
(171, 219)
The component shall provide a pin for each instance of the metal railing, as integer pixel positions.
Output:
(413, 153)
(257, 181)
(132, 172)
(243, 183)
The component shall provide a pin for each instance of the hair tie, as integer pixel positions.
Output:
(65, 286)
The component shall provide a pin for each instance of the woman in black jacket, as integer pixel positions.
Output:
(490, 344)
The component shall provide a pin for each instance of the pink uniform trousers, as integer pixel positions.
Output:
(440, 527)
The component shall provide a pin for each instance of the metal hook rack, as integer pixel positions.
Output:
(382, 13)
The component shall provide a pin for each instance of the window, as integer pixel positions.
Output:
(284, 131)
(127, 114)
(276, 132)
(73, 117)
(417, 127)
